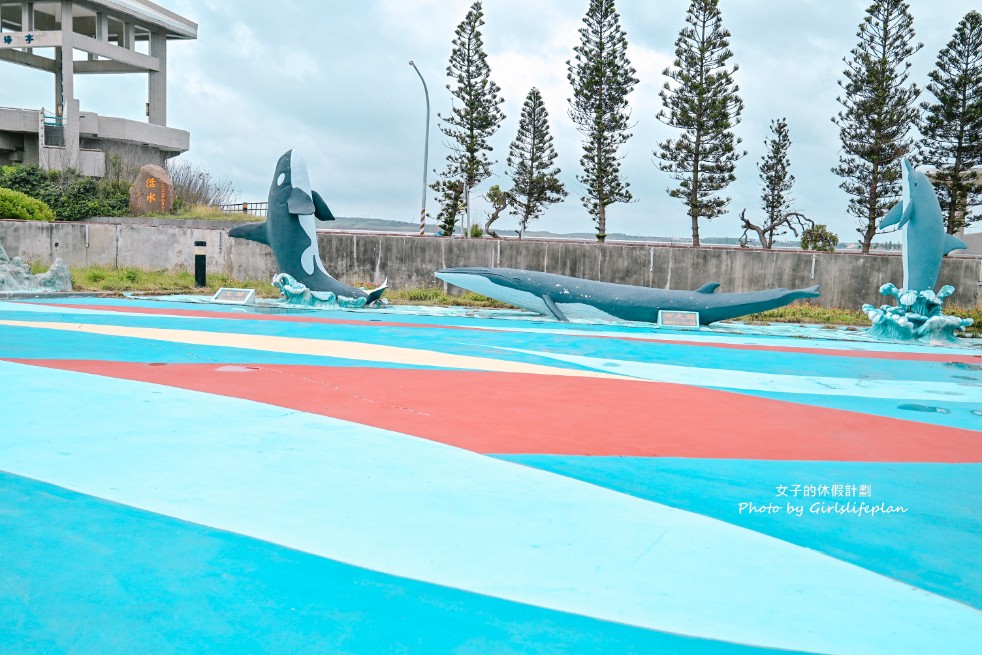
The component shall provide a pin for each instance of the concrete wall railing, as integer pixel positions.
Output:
(847, 280)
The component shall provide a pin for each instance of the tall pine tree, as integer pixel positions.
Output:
(475, 117)
(701, 99)
(775, 175)
(879, 109)
(602, 77)
(776, 184)
(952, 127)
(531, 159)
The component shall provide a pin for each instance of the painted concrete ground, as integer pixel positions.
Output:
(188, 478)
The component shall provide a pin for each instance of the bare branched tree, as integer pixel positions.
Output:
(795, 222)
(193, 185)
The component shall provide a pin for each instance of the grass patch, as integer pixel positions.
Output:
(435, 296)
(212, 213)
(118, 280)
(809, 313)
(209, 213)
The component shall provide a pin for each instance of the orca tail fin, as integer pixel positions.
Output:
(253, 232)
(376, 294)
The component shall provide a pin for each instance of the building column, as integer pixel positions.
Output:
(101, 32)
(27, 17)
(157, 81)
(65, 70)
(27, 20)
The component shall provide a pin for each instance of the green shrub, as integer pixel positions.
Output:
(819, 238)
(14, 204)
(30, 179)
(69, 194)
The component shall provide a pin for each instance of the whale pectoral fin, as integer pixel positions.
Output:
(893, 216)
(951, 242)
(300, 203)
(252, 232)
(321, 210)
(551, 306)
(709, 287)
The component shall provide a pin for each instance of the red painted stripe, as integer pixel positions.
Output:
(518, 413)
(863, 354)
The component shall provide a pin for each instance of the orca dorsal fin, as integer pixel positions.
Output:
(951, 242)
(321, 210)
(709, 287)
(300, 203)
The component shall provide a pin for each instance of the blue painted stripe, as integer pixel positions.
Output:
(86, 576)
(935, 545)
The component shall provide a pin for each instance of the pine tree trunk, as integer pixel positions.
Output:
(602, 223)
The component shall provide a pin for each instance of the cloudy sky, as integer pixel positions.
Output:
(332, 79)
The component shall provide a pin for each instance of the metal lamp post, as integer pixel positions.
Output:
(426, 150)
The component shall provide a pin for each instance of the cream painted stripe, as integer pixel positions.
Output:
(317, 347)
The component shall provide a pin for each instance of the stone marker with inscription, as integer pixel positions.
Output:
(152, 192)
(232, 296)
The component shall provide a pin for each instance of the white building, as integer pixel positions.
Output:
(84, 37)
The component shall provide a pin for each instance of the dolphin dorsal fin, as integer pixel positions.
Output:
(300, 203)
(709, 287)
(951, 242)
(321, 210)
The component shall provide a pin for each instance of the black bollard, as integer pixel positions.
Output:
(199, 264)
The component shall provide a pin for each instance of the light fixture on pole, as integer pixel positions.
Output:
(426, 151)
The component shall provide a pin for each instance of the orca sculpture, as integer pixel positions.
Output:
(289, 229)
(923, 235)
(570, 298)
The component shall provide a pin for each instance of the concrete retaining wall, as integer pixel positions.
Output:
(848, 280)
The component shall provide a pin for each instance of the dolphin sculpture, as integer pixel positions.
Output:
(289, 229)
(923, 235)
(570, 298)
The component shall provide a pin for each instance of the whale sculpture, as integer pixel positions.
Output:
(918, 313)
(569, 298)
(925, 241)
(289, 230)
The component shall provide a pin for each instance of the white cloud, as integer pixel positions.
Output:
(333, 79)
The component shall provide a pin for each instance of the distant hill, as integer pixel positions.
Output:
(386, 225)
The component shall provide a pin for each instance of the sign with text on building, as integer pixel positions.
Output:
(678, 319)
(235, 296)
(43, 39)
